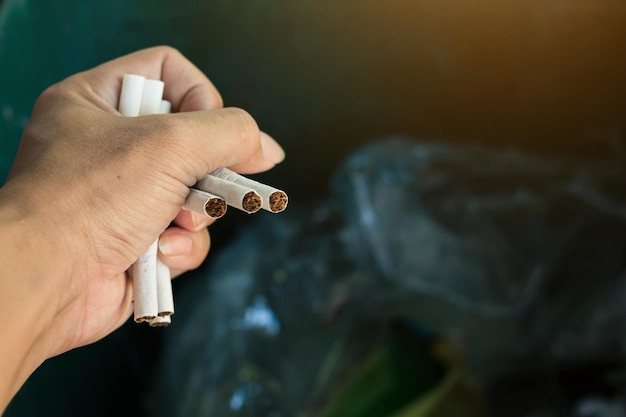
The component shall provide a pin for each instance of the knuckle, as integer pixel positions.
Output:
(168, 128)
(155, 136)
(48, 94)
(218, 101)
(173, 135)
(51, 96)
(246, 128)
(167, 50)
(52, 109)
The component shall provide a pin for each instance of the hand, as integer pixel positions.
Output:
(92, 189)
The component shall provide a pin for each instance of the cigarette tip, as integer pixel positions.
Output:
(144, 318)
(278, 201)
(251, 202)
(215, 208)
(160, 321)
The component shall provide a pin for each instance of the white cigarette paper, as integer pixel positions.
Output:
(151, 104)
(130, 95)
(145, 285)
(160, 321)
(205, 203)
(236, 195)
(151, 97)
(152, 285)
(165, 107)
(274, 200)
(165, 297)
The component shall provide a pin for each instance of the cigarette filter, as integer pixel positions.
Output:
(165, 107)
(152, 97)
(130, 95)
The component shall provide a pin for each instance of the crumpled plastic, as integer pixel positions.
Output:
(518, 262)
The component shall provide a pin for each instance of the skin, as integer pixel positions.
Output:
(90, 190)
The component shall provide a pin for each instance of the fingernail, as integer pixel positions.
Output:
(175, 244)
(271, 149)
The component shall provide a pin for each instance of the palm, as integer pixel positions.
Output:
(104, 306)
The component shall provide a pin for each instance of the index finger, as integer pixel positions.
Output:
(186, 87)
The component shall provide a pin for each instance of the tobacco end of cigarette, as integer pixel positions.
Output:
(215, 207)
(143, 318)
(251, 202)
(160, 321)
(159, 324)
(278, 201)
(165, 313)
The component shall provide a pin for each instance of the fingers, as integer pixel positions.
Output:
(182, 250)
(225, 138)
(207, 140)
(186, 87)
(272, 154)
(192, 221)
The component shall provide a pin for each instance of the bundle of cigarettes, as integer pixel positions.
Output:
(152, 287)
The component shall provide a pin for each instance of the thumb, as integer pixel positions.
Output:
(203, 141)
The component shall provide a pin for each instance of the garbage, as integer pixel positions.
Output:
(485, 263)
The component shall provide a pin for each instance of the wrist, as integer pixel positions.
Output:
(31, 295)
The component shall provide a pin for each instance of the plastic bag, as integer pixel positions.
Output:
(498, 263)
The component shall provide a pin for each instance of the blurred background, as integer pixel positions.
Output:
(542, 77)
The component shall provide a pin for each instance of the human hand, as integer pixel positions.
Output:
(99, 187)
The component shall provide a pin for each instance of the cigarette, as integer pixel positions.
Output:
(152, 103)
(165, 297)
(145, 285)
(165, 107)
(160, 321)
(205, 203)
(274, 200)
(236, 195)
(152, 286)
(151, 97)
(130, 95)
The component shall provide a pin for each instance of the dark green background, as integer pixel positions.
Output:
(323, 77)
